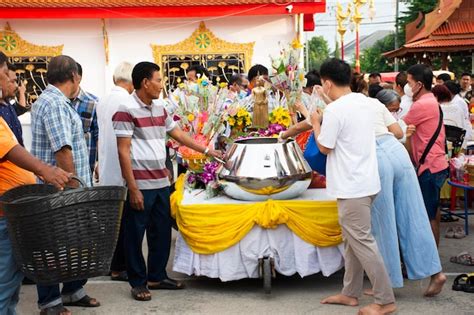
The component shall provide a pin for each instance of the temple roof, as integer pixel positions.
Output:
(448, 28)
(83, 9)
(133, 3)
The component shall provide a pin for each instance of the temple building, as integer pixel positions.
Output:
(225, 36)
(446, 31)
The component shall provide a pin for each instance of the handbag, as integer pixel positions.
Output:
(314, 157)
(432, 141)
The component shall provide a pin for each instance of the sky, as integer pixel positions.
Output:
(384, 20)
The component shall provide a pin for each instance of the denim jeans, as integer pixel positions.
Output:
(10, 275)
(50, 296)
(430, 184)
(156, 221)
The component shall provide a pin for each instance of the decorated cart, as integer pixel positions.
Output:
(251, 215)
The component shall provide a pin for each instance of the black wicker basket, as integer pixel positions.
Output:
(61, 236)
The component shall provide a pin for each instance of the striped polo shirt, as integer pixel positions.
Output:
(147, 126)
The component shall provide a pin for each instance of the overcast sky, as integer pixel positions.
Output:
(384, 20)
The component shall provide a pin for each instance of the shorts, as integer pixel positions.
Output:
(430, 185)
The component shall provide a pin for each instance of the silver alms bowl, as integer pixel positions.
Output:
(258, 169)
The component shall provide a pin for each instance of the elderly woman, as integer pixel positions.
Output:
(391, 100)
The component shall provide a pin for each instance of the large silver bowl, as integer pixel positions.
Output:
(258, 169)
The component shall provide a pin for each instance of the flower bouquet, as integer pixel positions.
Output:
(206, 180)
(239, 119)
(289, 77)
(200, 109)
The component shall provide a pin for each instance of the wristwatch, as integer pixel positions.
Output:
(206, 151)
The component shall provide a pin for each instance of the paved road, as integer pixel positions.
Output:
(291, 295)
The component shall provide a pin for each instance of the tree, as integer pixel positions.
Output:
(371, 59)
(318, 51)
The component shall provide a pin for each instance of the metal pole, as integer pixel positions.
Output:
(307, 51)
(357, 63)
(397, 9)
(342, 48)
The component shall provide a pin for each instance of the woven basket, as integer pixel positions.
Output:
(63, 236)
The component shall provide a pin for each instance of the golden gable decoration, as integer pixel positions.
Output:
(220, 57)
(14, 46)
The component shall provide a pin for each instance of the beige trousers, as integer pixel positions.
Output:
(361, 251)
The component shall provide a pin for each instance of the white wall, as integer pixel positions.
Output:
(130, 39)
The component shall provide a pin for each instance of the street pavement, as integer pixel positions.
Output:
(290, 295)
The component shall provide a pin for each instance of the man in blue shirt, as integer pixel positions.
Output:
(58, 139)
(8, 111)
(85, 104)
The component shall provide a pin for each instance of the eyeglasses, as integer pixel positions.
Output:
(398, 111)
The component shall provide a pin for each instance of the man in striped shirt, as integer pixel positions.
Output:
(141, 126)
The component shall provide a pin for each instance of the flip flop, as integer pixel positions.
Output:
(459, 233)
(459, 282)
(55, 310)
(137, 291)
(448, 218)
(122, 276)
(469, 286)
(86, 301)
(166, 284)
(463, 258)
(449, 232)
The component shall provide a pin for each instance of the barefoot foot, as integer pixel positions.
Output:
(377, 309)
(436, 285)
(341, 299)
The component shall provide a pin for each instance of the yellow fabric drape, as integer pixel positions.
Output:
(211, 228)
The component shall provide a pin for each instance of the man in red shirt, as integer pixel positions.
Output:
(424, 115)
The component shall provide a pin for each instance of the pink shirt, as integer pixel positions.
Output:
(424, 114)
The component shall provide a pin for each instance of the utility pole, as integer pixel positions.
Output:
(397, 9)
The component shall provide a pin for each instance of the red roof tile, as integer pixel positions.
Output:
(455, 28)
(136, 3)
(435, 43)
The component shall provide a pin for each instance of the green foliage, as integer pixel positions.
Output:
(318, 51)
(372, 59)
(406, 17)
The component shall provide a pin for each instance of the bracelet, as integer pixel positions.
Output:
(206, 151)
(280, 135)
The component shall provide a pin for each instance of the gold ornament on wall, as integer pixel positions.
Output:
(204, 48)
(14, 46)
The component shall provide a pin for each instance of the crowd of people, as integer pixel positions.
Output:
(386, 164)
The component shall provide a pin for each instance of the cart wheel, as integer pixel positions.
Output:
(267, 276)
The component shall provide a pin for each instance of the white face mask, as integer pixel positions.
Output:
(407, 90)
(242, 94)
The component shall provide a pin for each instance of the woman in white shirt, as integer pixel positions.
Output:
(457, 100)
(452, 114)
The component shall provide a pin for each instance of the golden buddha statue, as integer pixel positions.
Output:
(260, 107)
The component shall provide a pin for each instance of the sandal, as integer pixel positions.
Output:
(166, 284)
(55, 310)
(448, 218)
(141, 294)
(122, 276)
(463, 258)
(460, 282)
(86, 301)
(459, 233)
(449, 232)
(469, 286)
